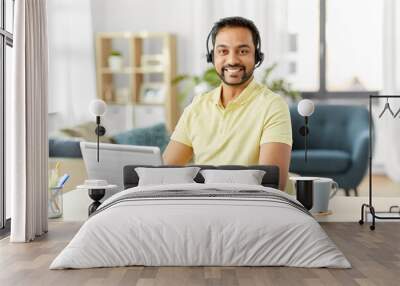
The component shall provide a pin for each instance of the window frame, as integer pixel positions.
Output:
(323, 93)
(6, 39)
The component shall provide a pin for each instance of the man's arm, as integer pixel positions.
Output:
(277, 154)
(177, 153)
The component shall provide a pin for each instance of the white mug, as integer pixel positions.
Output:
(324, 190)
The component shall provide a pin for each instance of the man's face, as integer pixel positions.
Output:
(234, 55)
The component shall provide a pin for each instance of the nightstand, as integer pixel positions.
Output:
(96, 193)
(76, 203)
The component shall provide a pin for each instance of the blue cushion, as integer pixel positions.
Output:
(155, 135)
(320, 161)
(64, 148)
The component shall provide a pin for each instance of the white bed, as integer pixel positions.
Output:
(184, 230)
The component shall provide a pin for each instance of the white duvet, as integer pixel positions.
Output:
(200, 231)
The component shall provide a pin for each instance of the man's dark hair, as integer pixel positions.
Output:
(236, 22)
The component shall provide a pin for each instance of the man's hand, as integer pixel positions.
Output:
(277, 154)
(177, 153)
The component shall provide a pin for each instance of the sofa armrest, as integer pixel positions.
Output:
(360, 146)
(357, 127)
(359, 159)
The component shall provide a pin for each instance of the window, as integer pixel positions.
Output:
(354, 45)
(303, 44)
(6, 43)
(338, 47)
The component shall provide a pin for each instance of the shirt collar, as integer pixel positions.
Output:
(241, 98)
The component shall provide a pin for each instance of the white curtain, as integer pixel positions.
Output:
(27, 150)
(390, 128)
(72, 78)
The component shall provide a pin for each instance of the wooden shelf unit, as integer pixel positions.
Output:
(164, 65)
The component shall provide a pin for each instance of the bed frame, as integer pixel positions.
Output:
(270, 179)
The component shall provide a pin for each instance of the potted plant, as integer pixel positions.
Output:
(279, 85)
(195, 85)
(115, 60)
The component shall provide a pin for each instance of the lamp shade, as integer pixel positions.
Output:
(305, 107)
(97, 107)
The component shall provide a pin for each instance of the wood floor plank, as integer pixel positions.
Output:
(212, 272)
(131, 276)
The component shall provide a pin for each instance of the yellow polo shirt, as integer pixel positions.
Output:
(233, 135)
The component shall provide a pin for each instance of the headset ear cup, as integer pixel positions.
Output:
(259, 58)
(210, 57)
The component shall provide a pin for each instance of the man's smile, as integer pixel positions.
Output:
(233, 71)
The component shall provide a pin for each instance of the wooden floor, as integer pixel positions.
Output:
(374, 255)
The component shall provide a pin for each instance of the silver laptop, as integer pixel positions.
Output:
(113, 158)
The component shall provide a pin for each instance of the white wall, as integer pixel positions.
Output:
(179, 17)
(72, 78)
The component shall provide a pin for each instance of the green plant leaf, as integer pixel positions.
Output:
(211, 77)
(115, 53)
(179, 79)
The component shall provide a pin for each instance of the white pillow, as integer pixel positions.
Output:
(164, 176)
(248, 177)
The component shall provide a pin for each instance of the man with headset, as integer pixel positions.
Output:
(241, 122)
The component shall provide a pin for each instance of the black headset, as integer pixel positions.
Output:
(259, 56)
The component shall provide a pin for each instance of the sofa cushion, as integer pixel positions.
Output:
(320, 161)
(156, 135)
(64, 148)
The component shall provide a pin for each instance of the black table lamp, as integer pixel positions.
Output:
(98, 107)
(305, 108)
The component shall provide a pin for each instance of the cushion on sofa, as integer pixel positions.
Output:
(321, 160)
(156, 135)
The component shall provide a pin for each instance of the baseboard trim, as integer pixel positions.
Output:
(378, 169)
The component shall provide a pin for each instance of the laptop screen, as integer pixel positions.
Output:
(114, 157)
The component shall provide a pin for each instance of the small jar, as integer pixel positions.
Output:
(55, 202)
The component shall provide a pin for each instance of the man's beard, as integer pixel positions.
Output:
(246, 76)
